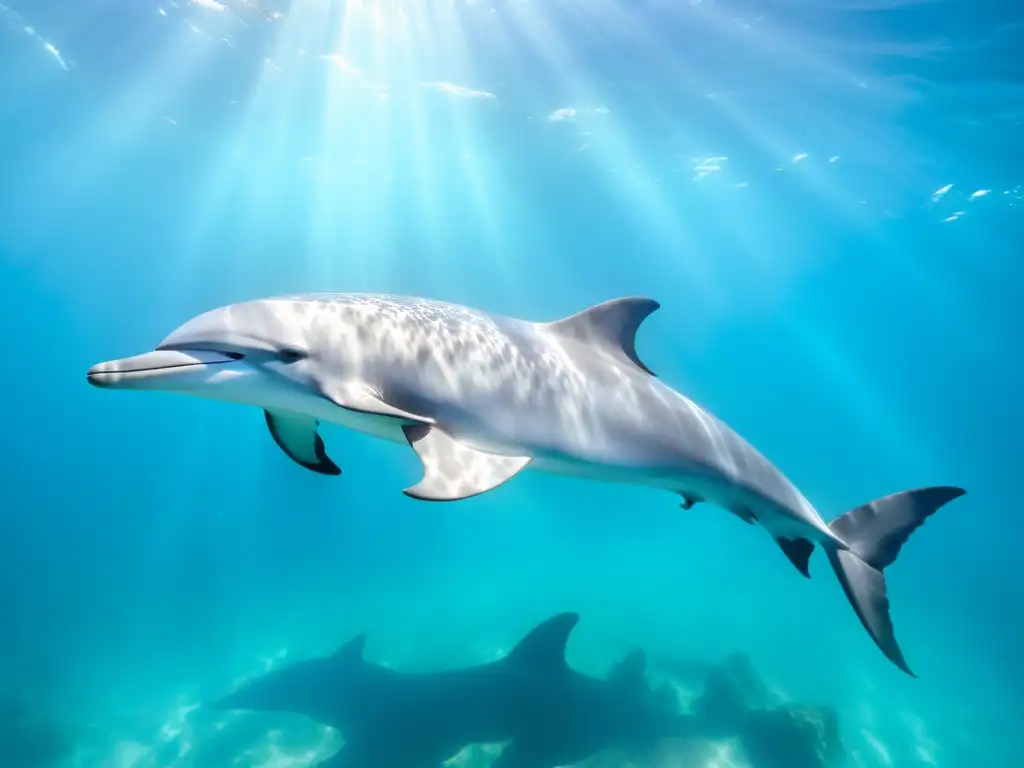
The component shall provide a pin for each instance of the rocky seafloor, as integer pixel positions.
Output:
(741, 728)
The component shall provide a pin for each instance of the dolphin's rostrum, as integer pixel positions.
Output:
(480, 397)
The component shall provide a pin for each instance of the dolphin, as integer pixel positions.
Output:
(531, 699)
(480, 397)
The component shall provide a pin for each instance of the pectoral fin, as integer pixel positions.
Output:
(296, 435)
(453, 471)
(361, 397)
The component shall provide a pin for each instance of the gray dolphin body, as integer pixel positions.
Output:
(480, 397)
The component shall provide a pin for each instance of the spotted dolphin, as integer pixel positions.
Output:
(480, 397)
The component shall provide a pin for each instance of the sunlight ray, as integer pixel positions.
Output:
(275, 127)
(136, 114)
(636, 188)
(480, 183)
(865, 401)
(252, 165)
(349, 232)
(774, 149)
(426, 203)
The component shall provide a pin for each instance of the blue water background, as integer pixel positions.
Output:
(861, 329)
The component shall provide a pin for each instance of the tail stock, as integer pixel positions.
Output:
(874, 534)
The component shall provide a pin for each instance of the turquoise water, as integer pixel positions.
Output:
(776, 174)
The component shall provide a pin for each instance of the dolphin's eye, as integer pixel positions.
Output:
(234, 355)
(291, 355)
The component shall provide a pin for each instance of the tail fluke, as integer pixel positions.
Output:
(874, 534)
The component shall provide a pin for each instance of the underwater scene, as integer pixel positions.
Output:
(512, 383)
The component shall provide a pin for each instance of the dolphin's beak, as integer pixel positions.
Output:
(156, 370)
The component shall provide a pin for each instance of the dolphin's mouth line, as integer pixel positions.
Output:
(156, 366)
(94, 374)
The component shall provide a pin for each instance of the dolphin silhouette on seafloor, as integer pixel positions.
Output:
(547, 713)
(480, 397)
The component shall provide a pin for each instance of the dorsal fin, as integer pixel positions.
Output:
(611, 325)
(629, 672)
(352, 650)
(544, 645)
